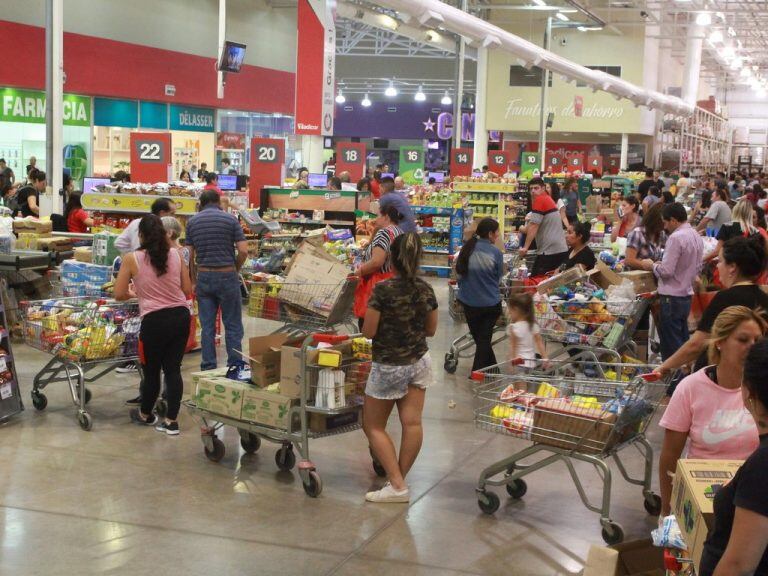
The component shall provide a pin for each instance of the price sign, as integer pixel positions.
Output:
(461, 161)
(267, 166)
(350, 157)
(411, 165)
(595, 163)
(498, 161)
(151, 156)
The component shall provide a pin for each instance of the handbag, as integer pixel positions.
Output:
(364, 289)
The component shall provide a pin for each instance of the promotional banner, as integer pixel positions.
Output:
(267, 166)
(412, 164)
(230, 141)
(529, 163)
(498, 161)
(315, 67)
(151, 157)
(461, 161)
(350, 157)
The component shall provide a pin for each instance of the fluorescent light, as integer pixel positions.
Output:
(737, 63)
(366, 102)
(589, 28)
(340, 98)
(446, 100)
(391, 91)
(716, 36)
(728, 52)
(539, 2)
(561, 16)
(389, 22)
(420, 96)
(745, 73)
(704, 19)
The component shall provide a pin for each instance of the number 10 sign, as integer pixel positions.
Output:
(150, 157)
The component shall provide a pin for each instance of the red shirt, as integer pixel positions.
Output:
(375, 189)
(215, 189)
(76, 221)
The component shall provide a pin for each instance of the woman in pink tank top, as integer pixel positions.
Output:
(161, 283)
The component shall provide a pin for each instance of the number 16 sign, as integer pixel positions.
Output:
(151, 157)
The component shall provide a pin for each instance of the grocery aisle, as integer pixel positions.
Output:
(124, 499)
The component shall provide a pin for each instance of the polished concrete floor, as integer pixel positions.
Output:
(128, 500)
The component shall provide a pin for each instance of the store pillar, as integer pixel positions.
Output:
(692, 64)
(312, 153)
(54, 95)
(481, 101)
(624, 152)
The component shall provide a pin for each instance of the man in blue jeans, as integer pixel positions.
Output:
(218, 249)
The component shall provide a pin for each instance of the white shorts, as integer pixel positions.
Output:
(389, 382)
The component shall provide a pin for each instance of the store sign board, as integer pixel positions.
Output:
(267, 166)
(230, 141)
(529, 163)
(114, 112)
(28, 106)
(576, 162)
(192, 119)
(153, 115)
(138, 204)
(461, 161)
(594, 163)
(498, 161)
(316, 67)
(150, 156)
(350, 157)
(412, 164)
(554, 162)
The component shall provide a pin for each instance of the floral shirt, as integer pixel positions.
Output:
(646, 249)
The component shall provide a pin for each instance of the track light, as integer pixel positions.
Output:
(420, 96)
(446, 100)
(366, 102)
(704, 19)
(340, 98)
(716, 37)
(391, 91)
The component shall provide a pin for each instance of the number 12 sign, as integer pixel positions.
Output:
(151, 157)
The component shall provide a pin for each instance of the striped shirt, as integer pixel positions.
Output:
(383, 239)
(213, 234)
(550, 239)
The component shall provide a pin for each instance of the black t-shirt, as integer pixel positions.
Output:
(585, 257)
(23, 199)
(728, 231)
(644, 186)
(747, 490)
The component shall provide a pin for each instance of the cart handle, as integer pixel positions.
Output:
(329, 338)
(651, 377)
(478, 376)
(646, 295)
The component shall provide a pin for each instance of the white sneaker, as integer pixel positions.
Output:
(389, 494)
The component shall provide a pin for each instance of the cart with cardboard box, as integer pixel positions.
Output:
(321, 394)
(87, 339)
(580, 409)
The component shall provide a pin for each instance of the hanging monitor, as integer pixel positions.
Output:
(232, 57)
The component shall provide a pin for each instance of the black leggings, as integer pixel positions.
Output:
(481, 322)
(162, 342)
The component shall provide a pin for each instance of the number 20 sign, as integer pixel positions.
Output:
(150, 157)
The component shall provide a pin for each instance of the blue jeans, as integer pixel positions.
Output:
(220, 290)
(673, 323)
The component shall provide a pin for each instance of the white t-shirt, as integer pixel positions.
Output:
(524, 339)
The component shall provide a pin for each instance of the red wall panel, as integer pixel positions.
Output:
(100, 67)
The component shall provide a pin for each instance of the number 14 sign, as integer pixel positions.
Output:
(151, 157)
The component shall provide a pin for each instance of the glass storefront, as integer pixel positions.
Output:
(257, 125)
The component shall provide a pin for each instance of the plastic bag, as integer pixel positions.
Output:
(668, 534)
(620, 298)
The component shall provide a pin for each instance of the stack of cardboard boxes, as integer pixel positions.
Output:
(35, 234)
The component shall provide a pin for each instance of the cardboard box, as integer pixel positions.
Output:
(329, 422)
(635, 558)
(40, 227)
(264, 354)
(267, 408)
(290, 369)
(190, 384)
(603, 276)
(314, 280)
(26, 241)
(558, 423)
(569, 276)
(83, 254)
(54, 244)
(693, 490)
(221, 396)
(642, 280)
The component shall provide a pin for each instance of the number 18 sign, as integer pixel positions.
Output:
(350, 157)
(151, 157)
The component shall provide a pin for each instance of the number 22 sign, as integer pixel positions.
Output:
(150, 157)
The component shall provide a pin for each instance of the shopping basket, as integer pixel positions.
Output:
(87, 339)
(569, 417)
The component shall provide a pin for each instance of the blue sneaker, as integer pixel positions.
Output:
(240, 372)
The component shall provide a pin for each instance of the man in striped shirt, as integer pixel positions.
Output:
(213, 236)
(546, 227)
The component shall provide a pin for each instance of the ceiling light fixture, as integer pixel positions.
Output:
(340, 98)
(420, 96)
(728, 52)
(589, 28)
(737, 63)
(731, 31)
(366, 102)
(562, 17)
(703, 19)
(446, 100)
(716, 37)
(539, 2)
(391, 91)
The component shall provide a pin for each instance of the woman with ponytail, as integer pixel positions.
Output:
(401, 315)
(161, 283)
(480, 266)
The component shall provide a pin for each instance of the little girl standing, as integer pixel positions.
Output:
(524, 334)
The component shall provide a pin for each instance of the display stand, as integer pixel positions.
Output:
(507, 203)
(10, 395)
(440, 242)
(700, 144)
(338, 206)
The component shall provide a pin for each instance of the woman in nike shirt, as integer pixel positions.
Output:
(707, 411)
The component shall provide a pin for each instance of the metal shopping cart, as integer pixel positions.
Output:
(569, 417)
(330, 403)
(87, 338)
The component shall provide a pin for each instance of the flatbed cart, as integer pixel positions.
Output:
(87, 339)
(569, 417)
(332, 394)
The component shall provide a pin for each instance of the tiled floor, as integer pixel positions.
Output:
(127, 500)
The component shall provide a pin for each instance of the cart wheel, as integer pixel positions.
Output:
(39, 400)
(285, 458)
(652, 504)
(517, 489)
(451, 363)
(217, 453)
(489, 502)
(314, 486)
(161, 408)
(85, 420)
(613, 533)
(87, 395)
(250, 443)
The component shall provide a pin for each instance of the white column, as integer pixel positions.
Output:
(54, 98)
(481, 101)
(623, 163)
(312, 153)
(692, 63)
(544, 113)
(222, 39)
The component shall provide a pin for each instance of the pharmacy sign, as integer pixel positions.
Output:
(28, 106)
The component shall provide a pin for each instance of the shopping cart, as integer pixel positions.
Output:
(569, 417)
(303, 308)
(330, 403)
(87, 339)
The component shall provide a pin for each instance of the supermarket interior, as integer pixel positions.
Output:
(384, 287)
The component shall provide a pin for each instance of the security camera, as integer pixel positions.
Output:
(563, 41)
(643, 14)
